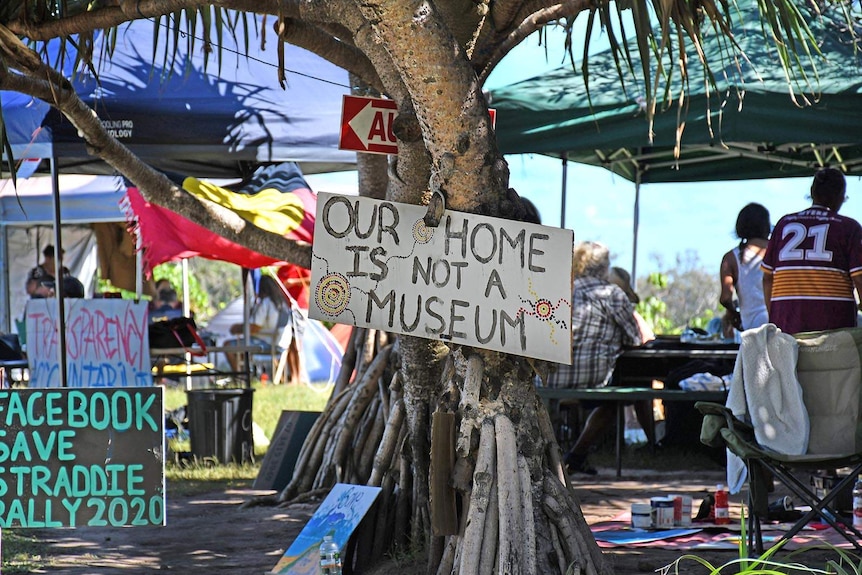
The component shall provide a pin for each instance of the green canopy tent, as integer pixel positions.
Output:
(749, 127)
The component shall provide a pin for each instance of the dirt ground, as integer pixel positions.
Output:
(212, 534)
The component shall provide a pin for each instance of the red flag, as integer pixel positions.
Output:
(278, 204)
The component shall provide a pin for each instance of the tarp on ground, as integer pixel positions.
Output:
(748, 129)
(194, 116)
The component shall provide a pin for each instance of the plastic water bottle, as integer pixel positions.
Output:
(857, 504)
(330, 557)
(722, 509)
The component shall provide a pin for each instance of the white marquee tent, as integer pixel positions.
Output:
(26, 227)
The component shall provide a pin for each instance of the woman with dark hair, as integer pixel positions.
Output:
(740, 272)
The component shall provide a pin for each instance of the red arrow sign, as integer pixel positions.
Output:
(366, 125)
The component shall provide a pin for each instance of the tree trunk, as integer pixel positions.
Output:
(517, 512)
(515, 509)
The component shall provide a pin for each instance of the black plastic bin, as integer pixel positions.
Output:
(220, 424)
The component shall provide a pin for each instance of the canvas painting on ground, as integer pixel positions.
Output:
(339, 514)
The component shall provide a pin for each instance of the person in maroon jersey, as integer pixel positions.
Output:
(813, 261)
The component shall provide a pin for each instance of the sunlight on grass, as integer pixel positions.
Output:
(22, 554)
(268, 402)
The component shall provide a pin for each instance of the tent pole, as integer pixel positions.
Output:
(58, 273)
(565, 157)
(247, 304)
(187, 312)
(187, 305)
(636, 224)
(139, 275)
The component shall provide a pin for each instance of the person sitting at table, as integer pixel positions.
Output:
(41, 282)
(740, 272)
(603, 323)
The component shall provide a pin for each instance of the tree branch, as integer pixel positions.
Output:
(535, 21)
(460, 143)
(42, 82)
(128, 10)
(339, 53)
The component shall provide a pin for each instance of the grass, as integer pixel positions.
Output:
(268, 401)
(842, 562)
(22, 554)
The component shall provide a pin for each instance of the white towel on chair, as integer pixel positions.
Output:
(766, 392)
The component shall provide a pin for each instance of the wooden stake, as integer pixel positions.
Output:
(372, 442)
(555, 455)
(483, 477)
(444, 513)
(448, 560)
(509, 495)
(555, 501)
(348, 363)
(558, 548)
(386, 449)
(488, 562)
(363, 393)
(529, 541)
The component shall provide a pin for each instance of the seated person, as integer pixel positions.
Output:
(166, 306)
(603, 322)
(41, 282)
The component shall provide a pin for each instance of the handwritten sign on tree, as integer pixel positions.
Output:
(107, 343)
(484, 282)
(78, 457)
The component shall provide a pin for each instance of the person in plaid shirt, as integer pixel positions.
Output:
(603, 322)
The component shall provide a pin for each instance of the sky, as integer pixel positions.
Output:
(676, 220)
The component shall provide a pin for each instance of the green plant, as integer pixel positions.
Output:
(657, 313)
(767, 563)
(199, 298)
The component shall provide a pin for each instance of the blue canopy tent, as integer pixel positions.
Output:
(216, 115)
(746, 127)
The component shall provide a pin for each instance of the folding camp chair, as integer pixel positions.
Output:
(829, 373)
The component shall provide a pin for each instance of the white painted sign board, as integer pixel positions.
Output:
(478, 281)
(107, 343)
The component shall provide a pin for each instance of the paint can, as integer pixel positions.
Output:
(686, 511)
(641, 515)
(677, 509)
(662, 512)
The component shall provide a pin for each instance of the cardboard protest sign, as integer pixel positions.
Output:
(82, 457)
(474, 280)
(106, 343)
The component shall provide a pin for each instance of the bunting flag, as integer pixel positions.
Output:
(276, 199)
